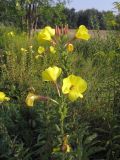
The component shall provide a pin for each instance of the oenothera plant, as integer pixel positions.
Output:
(72, 86)
(3, 97)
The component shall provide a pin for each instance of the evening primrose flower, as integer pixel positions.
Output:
(3, 97)
(23, 50)
(65, 146)
(52, 49)
(41, 50)
(11, 34)
(44, 35)
(31, 97)
(51, 74)
(70, 47)
(37, 56)
(50, 30)
(82, 33)
(74, 86)
(31, 47)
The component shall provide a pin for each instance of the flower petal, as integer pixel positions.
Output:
(51, 74)
(3, 97)
(82, 33)
(30, 99)
(66, 85)
(41, 50)
(50, 30)
(44, 35)
(73, 95)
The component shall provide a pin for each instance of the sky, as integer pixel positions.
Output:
(87, 4)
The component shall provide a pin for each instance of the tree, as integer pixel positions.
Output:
(110, 20)
(117, 6)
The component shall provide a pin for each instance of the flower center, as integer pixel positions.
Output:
(72, 87)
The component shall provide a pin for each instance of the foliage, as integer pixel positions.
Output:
(91, 124)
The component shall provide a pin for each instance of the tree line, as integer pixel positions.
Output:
(32, 14)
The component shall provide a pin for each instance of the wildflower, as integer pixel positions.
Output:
(31, 47)
(44, 35)
(50, 30)
(23, 50)
(51, 74)
(52, 49)
(11, 34)
(82, 33)
(70, 47)
(3, 97)
(31, 97)
(37, 56)
(74, 86)
(41, 50)
(65, 146)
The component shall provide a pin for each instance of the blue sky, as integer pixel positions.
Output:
(97, 4)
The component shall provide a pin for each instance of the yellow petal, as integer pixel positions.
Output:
(51, 74)
(68, 148)
(82, 33)
(3, 97)
(44, 35)
(30, 99)
(70, 47)
(41, 50)
(23, 50)
(66, 85)
(81, 85)
(7, 98)
(73, 95)
(11, 34)
(52, 49)
(74, 86)
(37, 56)
(50, 30)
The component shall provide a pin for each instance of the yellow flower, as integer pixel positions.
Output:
(66, 148)
(82, 33)
(41, 50)
(37, 56)
(44, 35)
(31, 47)
(74, 86)
(11, 34)
(52, 49)
(3, 97)
(51, 74)
(50, 30)
(70, 47)
(31, 97)
(23, 50)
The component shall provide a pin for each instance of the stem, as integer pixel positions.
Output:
(57, 87)
(63, 114)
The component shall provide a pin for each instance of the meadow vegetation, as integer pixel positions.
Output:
(59, 89)
(54, 127)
